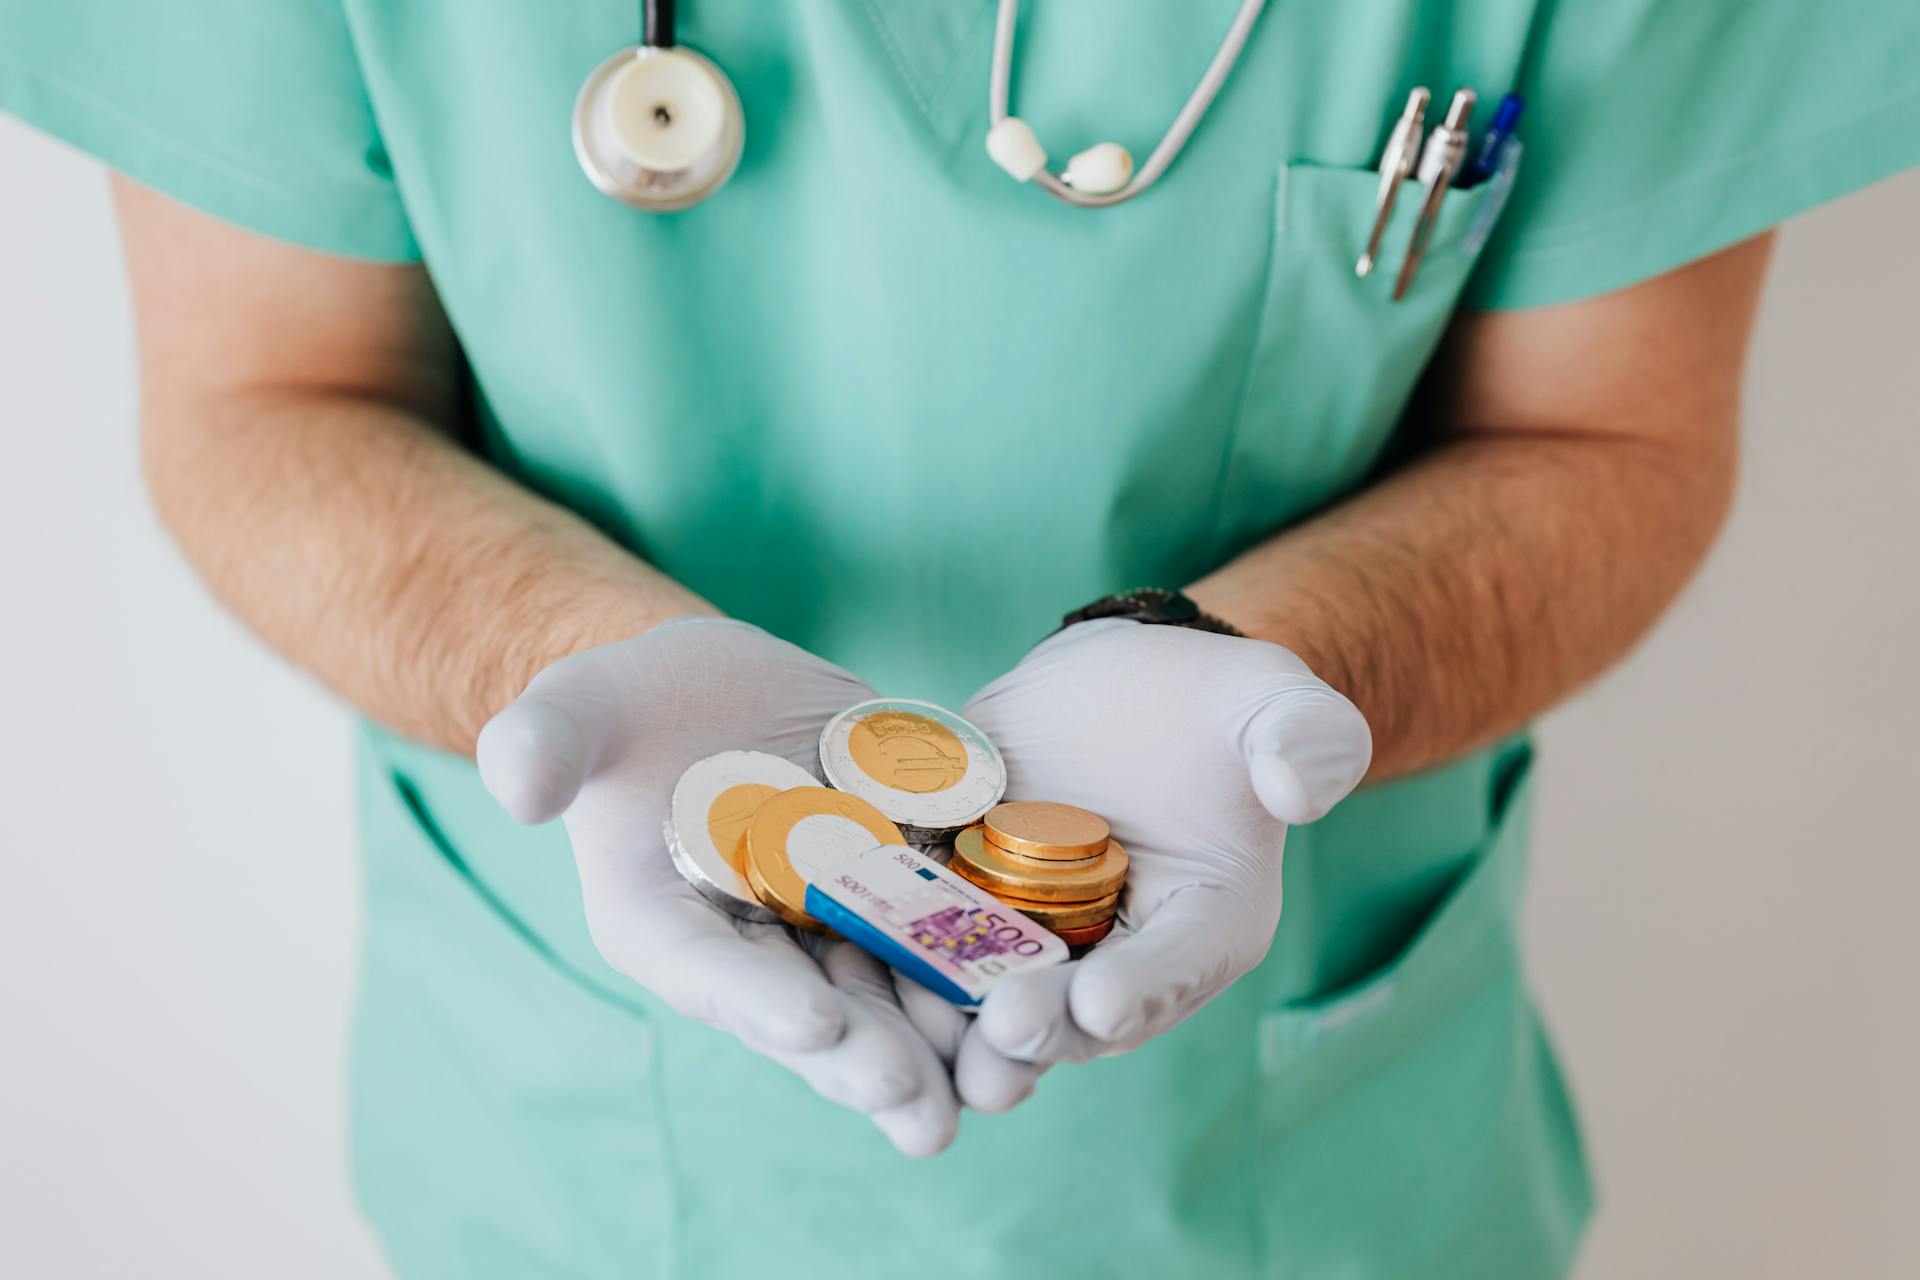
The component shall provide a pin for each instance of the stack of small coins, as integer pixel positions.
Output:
(1057, 864)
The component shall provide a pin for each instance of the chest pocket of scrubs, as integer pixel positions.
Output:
(1336, 358)
(1400, 1117)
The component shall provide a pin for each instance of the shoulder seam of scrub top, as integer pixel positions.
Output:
(1788, 176)
(105, 130)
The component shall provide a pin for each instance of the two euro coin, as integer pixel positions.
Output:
(706, 830)
(925, 768)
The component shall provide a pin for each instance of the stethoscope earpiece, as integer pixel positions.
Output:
(1100, 170)
(1103, 174)
(1016, 148)
(658, 128)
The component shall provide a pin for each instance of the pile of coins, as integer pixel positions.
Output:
(1057, 864)
(897, 773)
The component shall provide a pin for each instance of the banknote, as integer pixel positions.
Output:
(946, 934)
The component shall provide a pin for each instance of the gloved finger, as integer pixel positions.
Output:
(1134, 987)
(928, 1123)
(1026, 1017)
(939, 1020)
(924, 1127)
(856, 972)
(762, 989)
(989, 1081)
(534, 756)
(872, 1068)
(983, 1077)
(755, 984)
(924, 1121)
(1306, 748)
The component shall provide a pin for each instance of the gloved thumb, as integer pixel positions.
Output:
(1306, 748)
(533, 758)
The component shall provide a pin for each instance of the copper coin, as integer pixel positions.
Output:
(1065, 915)
(1085, 937)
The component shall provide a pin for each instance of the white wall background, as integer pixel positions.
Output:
(1723, 904)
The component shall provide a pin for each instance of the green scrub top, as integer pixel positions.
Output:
(883, 401)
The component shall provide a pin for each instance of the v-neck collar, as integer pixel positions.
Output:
(931, 44)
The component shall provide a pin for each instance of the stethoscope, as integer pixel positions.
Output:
(660, 127)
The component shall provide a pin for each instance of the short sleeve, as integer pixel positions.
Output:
(1659, 131)
(251, 110)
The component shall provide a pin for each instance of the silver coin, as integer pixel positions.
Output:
(690, 871)
(927, 769)
(716, 797)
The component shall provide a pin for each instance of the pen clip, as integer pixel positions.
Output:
(1396, 166)
(1440, 162)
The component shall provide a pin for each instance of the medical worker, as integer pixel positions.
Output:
(483, 448)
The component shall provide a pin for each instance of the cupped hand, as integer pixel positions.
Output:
(1199, 749)
(599, 739)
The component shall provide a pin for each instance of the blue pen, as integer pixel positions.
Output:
(1499, 190)
(1486, 160)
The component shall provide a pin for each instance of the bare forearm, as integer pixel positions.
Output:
(1480, 585)
(413, 579)
(1582, 460)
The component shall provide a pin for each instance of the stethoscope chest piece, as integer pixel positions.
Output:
(658, 128)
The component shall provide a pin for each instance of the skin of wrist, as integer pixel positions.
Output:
(1268, 623)
(580, 627)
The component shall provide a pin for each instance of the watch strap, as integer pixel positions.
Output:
(1155, 606)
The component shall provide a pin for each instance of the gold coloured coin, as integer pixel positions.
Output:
(1065, 915)
(798, 919)
(1044, 829)
(770, 875)
(729, 815)
(998, 871)
(908, 752)
(1085, 937)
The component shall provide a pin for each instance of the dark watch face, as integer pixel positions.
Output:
(1169, 607)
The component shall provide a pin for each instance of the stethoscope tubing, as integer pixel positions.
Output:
(657, 23)
(999, 91)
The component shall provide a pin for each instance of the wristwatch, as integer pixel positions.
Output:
(1158, 606)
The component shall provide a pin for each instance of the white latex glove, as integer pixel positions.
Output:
(600, 738)
(1199, 750)
(985, 1078)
